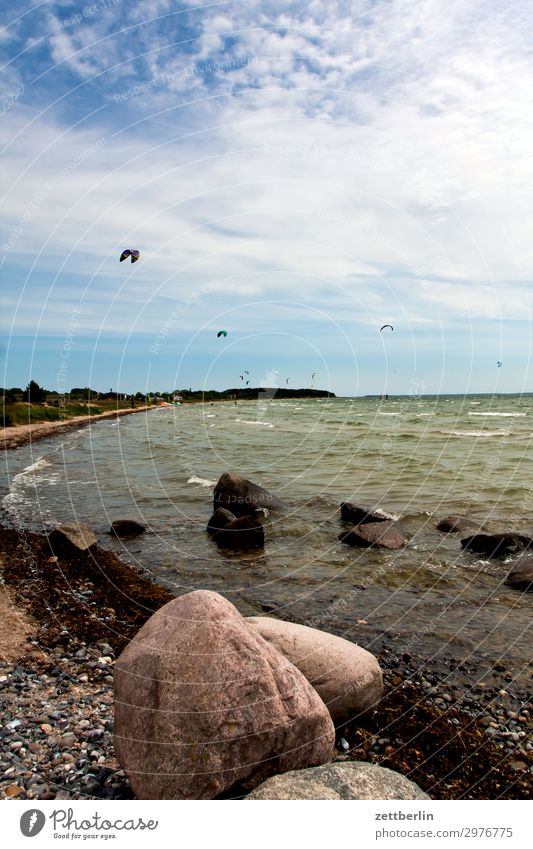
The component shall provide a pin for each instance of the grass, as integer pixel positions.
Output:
(20, 412)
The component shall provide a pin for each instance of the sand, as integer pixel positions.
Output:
(14, 437)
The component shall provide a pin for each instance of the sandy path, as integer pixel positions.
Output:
(13, 437)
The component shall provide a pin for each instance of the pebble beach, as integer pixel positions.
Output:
(458, 731)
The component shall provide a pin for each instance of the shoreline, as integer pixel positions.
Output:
(18, 435)
(56, 691)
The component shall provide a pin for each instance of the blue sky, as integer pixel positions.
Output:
(298, 174)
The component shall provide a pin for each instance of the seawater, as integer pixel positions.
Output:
(417, 459)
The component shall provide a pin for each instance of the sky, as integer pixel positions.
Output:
(298, 174)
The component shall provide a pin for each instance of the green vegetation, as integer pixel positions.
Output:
(250, 393)
(35, 404)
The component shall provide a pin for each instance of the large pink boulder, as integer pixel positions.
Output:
(347, 678)
(204, 705)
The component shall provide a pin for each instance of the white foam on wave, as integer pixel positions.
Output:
(389, 414)
(502, 415)
(29, 478)
(482, 433)
(201, 481)
(246, 421)
(392, 516)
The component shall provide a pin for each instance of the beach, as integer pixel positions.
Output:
(14, 437)
(74, 615)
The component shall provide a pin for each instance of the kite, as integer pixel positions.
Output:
(387, 325)
(313, 375)
(499, 364)
(222, 333)
(287, 380)
(134, 255)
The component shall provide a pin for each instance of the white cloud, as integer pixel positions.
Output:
(380, 152)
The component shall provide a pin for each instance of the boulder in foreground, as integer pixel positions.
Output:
(204, 706)
(521, 575)
(243, 497)
(496, 545)
(380, 534)
(125, 528)
(346, 780)
(347, 678)
(71, 536)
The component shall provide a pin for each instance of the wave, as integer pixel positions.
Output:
(475, 432)
(201, 481)
(28, 479)
(246, 421)
(503, 415)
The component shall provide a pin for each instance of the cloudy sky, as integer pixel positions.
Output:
(296, 173)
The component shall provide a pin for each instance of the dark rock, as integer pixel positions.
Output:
(124, 528)
(243, 497)
(220, 518)
(521, 575)
(496, 545)
(381, 534)
(74, 535)
(242, 533)
(457, 524)
(359, 516)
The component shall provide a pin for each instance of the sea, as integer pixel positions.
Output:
(416, 459)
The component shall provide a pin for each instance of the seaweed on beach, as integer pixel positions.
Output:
(91, 595)
(445, 752)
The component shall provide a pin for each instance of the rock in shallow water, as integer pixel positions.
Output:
(457, 524)
(347, 678)
(347, 780)
(497, 545)
(521, 575)
(243, 497)
(71, 536)
(220, 518)
(204, 705)
(241, 534)
(125, 528)
(379, 534)
(359, 516)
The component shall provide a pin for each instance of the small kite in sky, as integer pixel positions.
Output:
(222, 333)
(499, 363)
(134, 255)
(387, 325)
